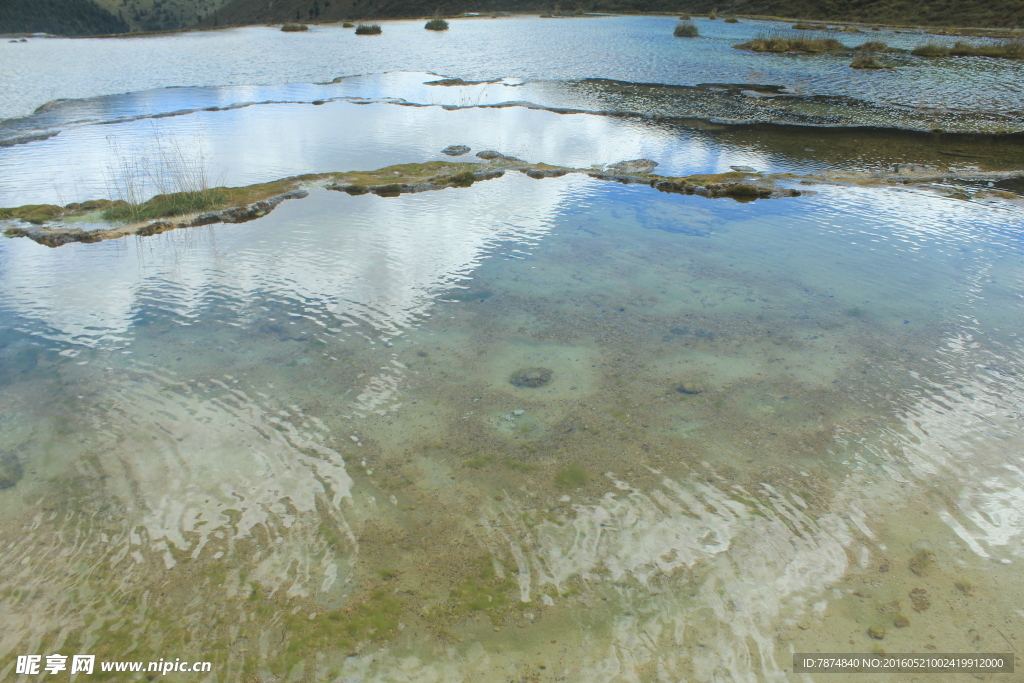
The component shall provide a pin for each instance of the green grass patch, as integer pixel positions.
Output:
(292, 28)
(165, 205)
(685, 29)
(732, 20)
(868, 61)
(874, 46)
(33, 213)
(1012, 48)
(437, 25)
(368, 30)
(780, 45)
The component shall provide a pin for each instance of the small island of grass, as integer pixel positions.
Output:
(779, 44)
(1012, 48)
(868, 61)
(368, 30)
(685, 29)
(437, 25)
(290, 28)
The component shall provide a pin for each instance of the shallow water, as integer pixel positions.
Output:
(293, 447)
(316, 407)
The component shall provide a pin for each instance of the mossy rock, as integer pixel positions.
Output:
(531, 377)
(33, 213)
(10, 470)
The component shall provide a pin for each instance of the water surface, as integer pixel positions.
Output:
(293, 447)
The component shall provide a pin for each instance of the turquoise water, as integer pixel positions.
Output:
(293, 447)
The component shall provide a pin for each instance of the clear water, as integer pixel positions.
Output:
(292, 447)
(632, 49)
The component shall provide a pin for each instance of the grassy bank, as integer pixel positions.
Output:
(936, 13)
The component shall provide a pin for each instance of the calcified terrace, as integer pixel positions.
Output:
(53, 225)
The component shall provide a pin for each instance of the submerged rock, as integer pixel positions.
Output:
(531, 377)
(743, 169)
(634, 166)
(10, 470)
(546, 172)
(455, 150)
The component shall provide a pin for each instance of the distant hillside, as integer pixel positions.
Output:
(989, 13)
(92, 17)
(159, 15)
(280, 11)
(59, 17)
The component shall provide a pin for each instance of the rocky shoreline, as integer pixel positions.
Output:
(54, 226)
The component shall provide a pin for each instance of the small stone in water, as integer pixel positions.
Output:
(531, 377)
(877, 632)
(10, 470)
(455, 150)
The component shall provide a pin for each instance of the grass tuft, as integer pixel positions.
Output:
(931, 50)
(731, 20)
(165, 205)
(1010, 48)
(368, 30)
(685, 29)
(771, 42)
(290, 28)
(437, 25)
(178, 175)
